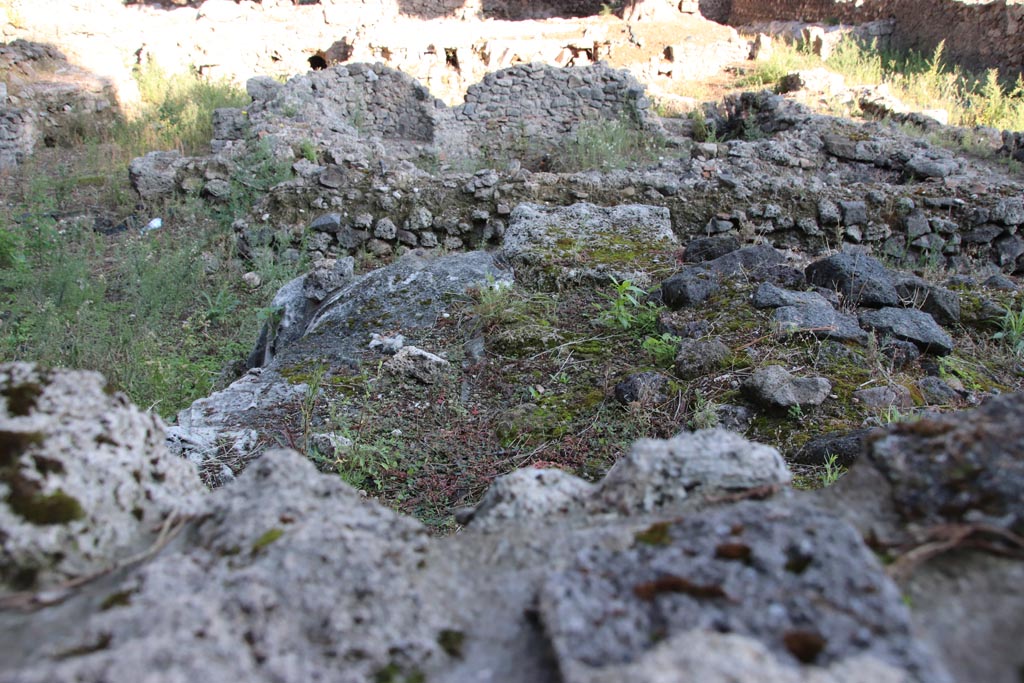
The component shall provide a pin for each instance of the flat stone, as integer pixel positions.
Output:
(819, 320)
(768, 295)
(909, 325)
(775, 387)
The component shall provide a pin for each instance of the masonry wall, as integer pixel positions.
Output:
(978, 33)
(543, 105)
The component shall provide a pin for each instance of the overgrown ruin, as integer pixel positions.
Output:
(567, 387)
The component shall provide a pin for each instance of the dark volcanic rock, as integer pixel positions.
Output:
(846, 446)
(937, 393)
(909, 325)
(689, 287)
(858, 277)
(900, 353)
(820, 320)
(942, 304)
(699, 357)
(751, 260)
(944, 467)
(708, 248)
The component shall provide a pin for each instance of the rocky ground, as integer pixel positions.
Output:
(574, 366)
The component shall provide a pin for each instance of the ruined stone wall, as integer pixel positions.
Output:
(377, 99)
(537, 103)
(978, 34)
(517, 10)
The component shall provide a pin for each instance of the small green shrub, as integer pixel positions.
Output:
(663, 348)
(607, 144)
(831, 470)
(1011, 330)
(703, 131)
(624, 310)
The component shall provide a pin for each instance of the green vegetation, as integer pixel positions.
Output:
(663, 347)
(160, 313)
(1011, 330)
(607, 144)
(925, 82)
(831, 470)
(625, 311)
(175, 112)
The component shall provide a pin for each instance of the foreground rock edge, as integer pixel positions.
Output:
(289, 574)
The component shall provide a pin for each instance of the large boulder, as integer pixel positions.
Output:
(85, 479)
(223, 431)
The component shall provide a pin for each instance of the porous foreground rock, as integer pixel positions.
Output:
(85, 480)
(690, 560)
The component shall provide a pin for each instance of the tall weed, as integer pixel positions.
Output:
(927, 82)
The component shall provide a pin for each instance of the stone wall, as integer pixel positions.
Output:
(543, 105)
(531, 9)
(374, 99)
(978, 34)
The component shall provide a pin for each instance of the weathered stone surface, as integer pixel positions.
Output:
(538, 234)
(699, 357)
(923, 166)
(154, 175)
(954, 469)
(418, 364)
(820, 320)
(708, 248)
(610, 606)
(327, 276)
(689, 287)
(861, 279)
(410, 293)
(775, 387)
(942, 467)
(645, 388)
(527, 494)
(768, 295)
(657, 473)
(85, 480)
(909, 325)
(239, 604)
